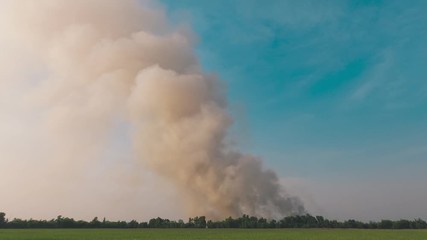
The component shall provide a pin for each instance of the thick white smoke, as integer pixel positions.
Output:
(84, 67)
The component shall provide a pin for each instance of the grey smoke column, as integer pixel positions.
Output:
(106, 59)
(181, 124)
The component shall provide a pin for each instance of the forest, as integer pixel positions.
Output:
(303, 221)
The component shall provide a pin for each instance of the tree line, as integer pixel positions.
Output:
(303, 221)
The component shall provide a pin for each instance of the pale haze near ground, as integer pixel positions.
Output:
(368, 200)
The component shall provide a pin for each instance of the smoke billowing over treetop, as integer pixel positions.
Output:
(82, 66)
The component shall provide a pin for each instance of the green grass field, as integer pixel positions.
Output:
(189, 234)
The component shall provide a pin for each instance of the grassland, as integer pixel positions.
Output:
(217, 234)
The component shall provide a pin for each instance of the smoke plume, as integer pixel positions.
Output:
(77, 71)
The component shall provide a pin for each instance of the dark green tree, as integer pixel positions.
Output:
(2, 219)
(385, 224)
(198, 222)
(95, 223)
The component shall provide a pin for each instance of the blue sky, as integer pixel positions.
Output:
(325, 91)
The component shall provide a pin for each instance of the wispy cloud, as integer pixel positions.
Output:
(375, 78)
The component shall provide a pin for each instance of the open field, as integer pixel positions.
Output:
(188, 234)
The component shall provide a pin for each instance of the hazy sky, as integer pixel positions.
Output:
(332, 94)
